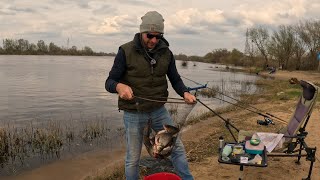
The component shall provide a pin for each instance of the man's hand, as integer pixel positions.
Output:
(124, 91)
(189, 98)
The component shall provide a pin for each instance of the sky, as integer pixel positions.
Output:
(192, 27)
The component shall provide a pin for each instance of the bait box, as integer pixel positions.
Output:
(254, 149)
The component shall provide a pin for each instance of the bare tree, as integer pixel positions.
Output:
(260, 37)
(248, 49)
(281, 45)
(23, 45)
(299, 48)
(275, 51)
(309, 32)
(42, 47)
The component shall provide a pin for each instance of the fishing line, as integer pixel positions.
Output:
(259, 113)
(222, 93)
(237, 105)
(227, 122)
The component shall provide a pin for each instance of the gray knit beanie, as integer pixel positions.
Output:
(152, 21)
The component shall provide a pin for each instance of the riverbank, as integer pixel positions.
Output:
(201, 140)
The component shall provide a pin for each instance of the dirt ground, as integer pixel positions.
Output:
(208, 168)
(278, 167)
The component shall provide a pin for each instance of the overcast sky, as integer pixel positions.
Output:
(192, 27)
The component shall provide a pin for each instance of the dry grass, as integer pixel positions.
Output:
(46, 141)
(209, 92)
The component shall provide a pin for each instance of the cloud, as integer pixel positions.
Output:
(98, 24)
(43, 35)
(194, 21)
(273, 12)
(18, 10)
(84, 4)
(5, 12)
(5, 9)
(104, 10)
(189, 31)
(312, 10)
(191, 21)
(136, 3)
(11, 10)
(115, 25)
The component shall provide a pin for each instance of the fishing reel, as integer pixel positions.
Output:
(265, 122)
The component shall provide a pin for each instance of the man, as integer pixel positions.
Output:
(139, 70)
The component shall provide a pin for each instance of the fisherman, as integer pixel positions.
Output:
(139, 70)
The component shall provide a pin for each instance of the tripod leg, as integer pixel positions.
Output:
(241, 172)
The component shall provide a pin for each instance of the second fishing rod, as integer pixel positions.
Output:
(266, 115)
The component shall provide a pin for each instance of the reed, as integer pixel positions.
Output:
(209, 92)
(47, 140)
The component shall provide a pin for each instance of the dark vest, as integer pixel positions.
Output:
(142, 80)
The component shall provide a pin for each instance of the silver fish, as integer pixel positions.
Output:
(160, 144)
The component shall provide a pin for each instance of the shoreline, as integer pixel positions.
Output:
(78, 167)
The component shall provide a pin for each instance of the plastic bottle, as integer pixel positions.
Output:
(226, 150)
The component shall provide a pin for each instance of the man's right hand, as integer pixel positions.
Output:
(124, 91)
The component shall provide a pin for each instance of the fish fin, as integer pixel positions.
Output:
(171, 129)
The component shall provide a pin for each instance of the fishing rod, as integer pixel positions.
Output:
(266, 115)
(197, 88)
(237, 105)
(227, 121)
(174, 100)
(221, 93)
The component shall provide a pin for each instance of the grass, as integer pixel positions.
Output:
(274, 90)
(209, 92)
(197, 118)
(19, 145)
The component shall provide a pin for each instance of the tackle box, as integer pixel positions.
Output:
(254, 149)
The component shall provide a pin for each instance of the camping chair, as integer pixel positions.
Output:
(295, 132)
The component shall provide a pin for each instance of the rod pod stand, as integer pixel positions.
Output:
(228, 125)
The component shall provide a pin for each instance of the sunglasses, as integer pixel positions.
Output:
(157, 36)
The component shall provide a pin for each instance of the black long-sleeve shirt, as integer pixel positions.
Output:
(119, 68)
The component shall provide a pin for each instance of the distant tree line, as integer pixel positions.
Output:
(24, 47)
(222, 56)
(291, 47)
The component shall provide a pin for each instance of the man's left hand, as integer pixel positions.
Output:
(189, 98)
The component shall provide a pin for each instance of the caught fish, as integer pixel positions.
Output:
(160, 144)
